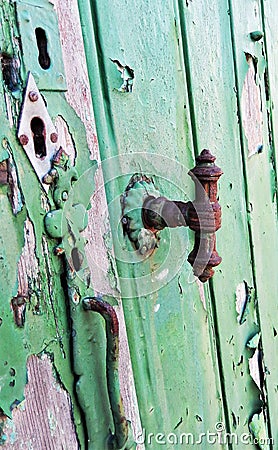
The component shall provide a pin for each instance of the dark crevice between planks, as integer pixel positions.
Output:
(52, 300)
(214, 321)
(247, 200)
(212, 300)
(273, 153)
(188, 77)
(76, 377)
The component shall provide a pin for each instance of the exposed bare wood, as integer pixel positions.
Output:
(43, 420)
(99, 251)
(27, 265)
(79, 97)
(252, 117)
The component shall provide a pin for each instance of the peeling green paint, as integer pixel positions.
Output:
(254, 342)
(258, 429)
(179, 106)
(75, 345)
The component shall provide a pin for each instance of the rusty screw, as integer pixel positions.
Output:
(23, 139)
(54, 137)
(33, 96)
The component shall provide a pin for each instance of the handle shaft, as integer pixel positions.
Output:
(202, 216)
(120, 436)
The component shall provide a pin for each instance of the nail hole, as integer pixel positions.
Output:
(44, 59)
(38, 129)
(12, 372)
(77, 259)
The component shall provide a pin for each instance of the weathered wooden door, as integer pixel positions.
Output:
(198, 362)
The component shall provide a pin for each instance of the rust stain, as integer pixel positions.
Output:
(203, 216)
(121, 429)
(3, 173)
(18, 305)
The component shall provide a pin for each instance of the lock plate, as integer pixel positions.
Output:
(36, 131)
(42, 53)
(132, 201)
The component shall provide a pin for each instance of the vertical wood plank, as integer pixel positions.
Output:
(168, 327)
(207, 42)
(45, 420)
(261, 186)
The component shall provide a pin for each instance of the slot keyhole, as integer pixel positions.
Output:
(38, 130)
(44, 58)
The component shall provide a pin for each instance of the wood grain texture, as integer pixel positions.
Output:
(149, 131)
(78, 96)
(99, 248)
(261, 183)
(44, 420)
(214, 107)
(201, 355)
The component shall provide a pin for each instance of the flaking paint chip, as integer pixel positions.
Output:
(257, 427)
(127, 74)
(252, 116)
(255, 369)
(242, 299)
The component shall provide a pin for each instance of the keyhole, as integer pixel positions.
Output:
(38, 129)
(44, 59)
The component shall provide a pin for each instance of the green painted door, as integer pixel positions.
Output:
(167, 79)
(203, 76)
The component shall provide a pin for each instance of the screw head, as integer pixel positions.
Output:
(23, 139)
(65, 196)
(33, 96)
(54, 137)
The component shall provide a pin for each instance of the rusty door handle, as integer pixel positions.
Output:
(120, 439)
(203, 216)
